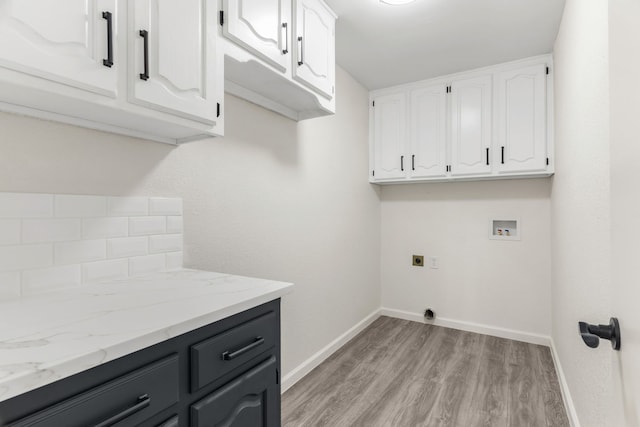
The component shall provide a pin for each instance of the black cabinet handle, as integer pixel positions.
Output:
(145, 36)
(413, 162)
(502, 155)
(285, 27)
(402, 163)
(109, 61)
(300, 51)
(232, 355)
(143, 402)
(487, 157)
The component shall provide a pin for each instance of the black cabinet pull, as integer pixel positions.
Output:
(109, 61)
(143, 402)
(402, 163)
(145, 36)
(487, 157)
(285, 27)
(502, 155)
(413, 162)
(300, 51)
(232, 355)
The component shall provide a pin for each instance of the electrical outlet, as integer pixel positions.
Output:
(418, 260)
(434, 262)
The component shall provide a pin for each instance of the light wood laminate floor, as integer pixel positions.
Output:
(398, 373)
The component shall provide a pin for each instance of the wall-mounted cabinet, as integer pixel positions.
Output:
(62, 42)
(522, 127)
(170, 67)
(470, 126)
(280, 54)
(485, 124)
(149, 69)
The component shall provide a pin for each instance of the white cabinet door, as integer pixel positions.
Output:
(522, 124)
(428, 139)
(261, 26)
(63, 41)
(389, 137)
(471, 126)
(172, 64)
(315, 46)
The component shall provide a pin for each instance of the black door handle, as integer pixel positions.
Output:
(109, 61)
(300, 51)
(145, 36)
(402, 163)
(285, 27)
(413, 162)
(591, 334)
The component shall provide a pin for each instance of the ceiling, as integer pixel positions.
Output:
(382, 45)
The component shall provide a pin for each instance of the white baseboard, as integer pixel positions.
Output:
(471, 327)
(564, 388)
(311, 363)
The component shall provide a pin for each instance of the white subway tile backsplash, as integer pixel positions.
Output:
(48, 279)
(128, 206)
(10, 284)
(80, 206)
(127, 247)
(165, 206)
(80, 252)
(174, 224)
(25, 205)
(146, 226)
(105, 270)
(23, 257)
(101, 228)
(165, 243)
(50, 241)
(174, 260)
(50, 230)
(10, 230)
(146, 264)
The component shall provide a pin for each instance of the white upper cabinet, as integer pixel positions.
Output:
(280, 54)
(315, 46)
(491, 123)
(471, 126)
(172, 63)
(145, 68)
(389, 137)
(70, 42)
(261, 26)
(522, 119)
(428, 139)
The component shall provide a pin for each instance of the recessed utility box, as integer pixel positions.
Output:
(505, 229)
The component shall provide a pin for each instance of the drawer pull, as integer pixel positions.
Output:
(143, 402)
(232, 355)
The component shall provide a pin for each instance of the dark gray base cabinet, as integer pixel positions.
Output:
(223, 374)
(248, 401)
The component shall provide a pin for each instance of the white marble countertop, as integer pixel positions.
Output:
(47, 337)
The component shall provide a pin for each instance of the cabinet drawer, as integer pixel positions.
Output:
(216, 356)
(125, 401)
(250, 400)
